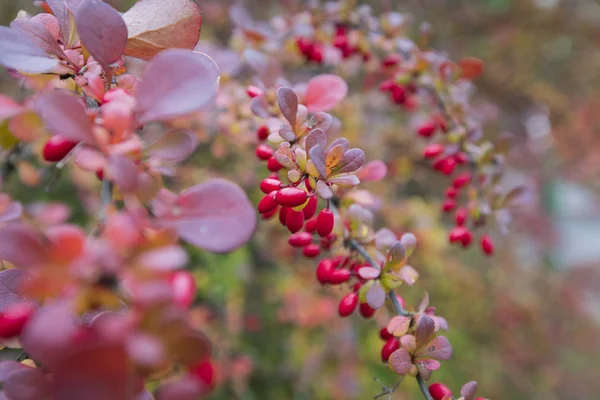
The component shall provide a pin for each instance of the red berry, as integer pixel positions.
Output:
(267, 203)
(385, 334)
(57, 148)
(183, 285)
(13, 319)
(324, 270)
(300, 239)
(348, 304)
(398, 94)
(365, 310)
(466, 239)
(262, 133)
(325, 222)
(311, 251)
(433, 150)
(311, 207)
(391, 60)
(339, 276)
(273, 165)
(304, 44)
(316, 53)
(270, 214)
(269, 185)
(487, 245)
(448, 205)
(283, 214)
(311, 225)
(461, 158)
(264, 152)
(254, 91)
(427, 129)
(294, 220)
(204, 372)
(389, 347)
(461, 180)
(100, 174)
(439, 390)
(451, 192)
(461, 216)
(457, 234)
(290, 197)
(387, 85)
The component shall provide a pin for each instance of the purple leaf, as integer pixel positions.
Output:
(10, 280)
(425, 331)
(123, 172)
(315, 137)
(426, 366)
(176, 83)
(27, 384)
(317, 156)
(368, 273)
(215, 216)
(324, 92)
(409, 275)
(8, 107)
(21, 246)
(322, 121)
(288, 103)
(259, 107)
(424, 303)
(384, 239)
(339, 142)
(438, 349)
(400, 361)
(174, 146)
(64, 114)
(163, 258)
(374, 171)
(61, 10)
(102, 31)
(353, 159)
(375, 296)
(8, 367)
(18, 51)
(34, 27)
(468, 390)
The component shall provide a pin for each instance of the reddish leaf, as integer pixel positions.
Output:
(470, 67)
(399, 325)
(18, 51)
(373, 171)
(97, 372)
(8, 367)
(215, 215)
(400, 362)
(288, 103)
(123, 172)
(21, 245)
(8, 107)
(260, 107)
(185, 388)
(64, 114)
(102, 31)
(324, 92)
(315, 137)
(368, 273)
(353, 159)
(468, 390)
(425, 331)
(10, 280)
(438, 349)
(153, 27)
(61, 10)
(174, 146)
(36, 29)
(27, 384)
(176, 83)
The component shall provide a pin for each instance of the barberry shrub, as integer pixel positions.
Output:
(100, 309)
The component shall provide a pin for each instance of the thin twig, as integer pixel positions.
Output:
(423, 387)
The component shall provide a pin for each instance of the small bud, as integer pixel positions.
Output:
(57, 148)
(461, 216)
(448, 205)
(253, 91)
(461, 180)
(451, 192)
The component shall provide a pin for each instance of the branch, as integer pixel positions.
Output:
(423, 387)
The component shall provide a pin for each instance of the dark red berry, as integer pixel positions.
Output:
(388, 348)
(270, 214)
(391, 60)
(267, 203)
(262, 133)
(365, 310)
(385, 334)
(325, 222)
(13, 319)
(439, 390)
(294, 220)
(448, 205)
(461, 180)
(461, 216)
(324, 270)
(387, 85)
(451, 192)
(398, 94)
(466, 239)
(427, 129)
(311, 251)
(283, 214)
(252, 92)
(311, 225)
(57, 148)
(100, 174)
(348, 304)
(273, 165)
(300, 239)
(269, 185)
(311, 207)
(433, 150)
(204, 372)
(290, 197)
(487, 245)
(458, 233)
(264, 152)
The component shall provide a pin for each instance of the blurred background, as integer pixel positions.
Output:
(524, 323)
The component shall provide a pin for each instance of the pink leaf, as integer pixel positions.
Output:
(468, 390)
(174, 146)
(27, 384)
(123, 172)
(260, 107)
(153, 27)
(315, 137)
(353, 159)
(399, 325)
(438, 349)
(184, 388)
(18, 51)
(164, 258)
(368, 273)
(21, 245)
(8, 107)
(425, 331)
(10, 280)
(61, 10)
(373, 171)
(321, 121)
(384, 239)
(102, 31)
(288, 103)
(65, 115)
(376, 296)
(400, 361)
(36, 29)
(8, 367)
(409, 275)
(176, 83)
(215, 215)
(426, 365)
(324, 92)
